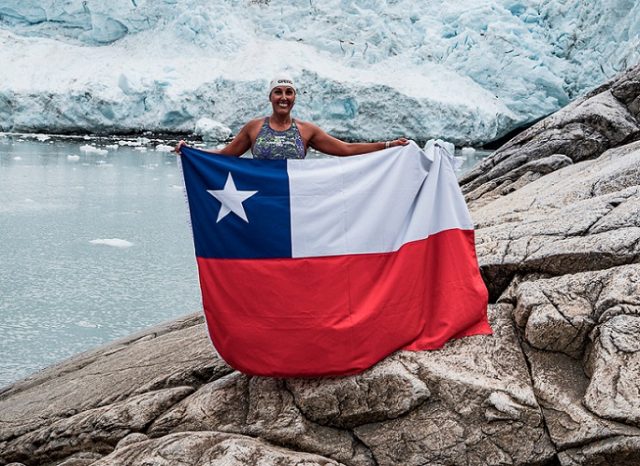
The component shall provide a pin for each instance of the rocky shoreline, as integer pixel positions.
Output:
(557, 212)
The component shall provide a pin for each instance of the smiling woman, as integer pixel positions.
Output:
(281, 137)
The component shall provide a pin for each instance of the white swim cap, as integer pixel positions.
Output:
(282, 80)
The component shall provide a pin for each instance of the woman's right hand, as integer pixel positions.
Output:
(179, 146)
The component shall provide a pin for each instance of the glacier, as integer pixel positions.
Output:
(467, 72)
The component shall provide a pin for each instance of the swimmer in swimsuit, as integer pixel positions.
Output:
(279, 136)
(273, 144)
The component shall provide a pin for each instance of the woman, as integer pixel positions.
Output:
(281, 137)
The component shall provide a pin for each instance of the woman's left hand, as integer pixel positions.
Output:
(179, 146)
(397, 142)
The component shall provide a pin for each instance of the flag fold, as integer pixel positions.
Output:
(326, 266)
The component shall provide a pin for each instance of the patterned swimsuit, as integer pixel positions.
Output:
(272, 144)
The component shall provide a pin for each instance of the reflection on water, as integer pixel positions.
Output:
(95, 243)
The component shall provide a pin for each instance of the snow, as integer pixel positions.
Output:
(467, 71)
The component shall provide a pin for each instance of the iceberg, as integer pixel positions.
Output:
(113, 242)
(467, 72)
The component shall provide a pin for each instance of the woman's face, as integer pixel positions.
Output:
(282, 99)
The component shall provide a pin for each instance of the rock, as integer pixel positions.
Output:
(615, 370)
(606, 118)
(279, 412)
(96, 429)
(387, 391)
(585, 216)
(618, 451)
(481, 411)
(131, 439)
(191, 448)
(81, 459)
(119, 386)
(258, 407)
(581, 333)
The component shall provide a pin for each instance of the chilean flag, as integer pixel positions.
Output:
(326, 266)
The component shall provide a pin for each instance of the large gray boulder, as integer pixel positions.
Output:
(558, 242)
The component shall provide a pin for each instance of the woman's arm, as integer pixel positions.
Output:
(240, 144)
(326, 143)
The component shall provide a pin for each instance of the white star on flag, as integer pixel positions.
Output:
(231, 199)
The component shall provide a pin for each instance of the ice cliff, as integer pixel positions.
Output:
(467, 71)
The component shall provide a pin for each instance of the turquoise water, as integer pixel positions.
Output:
(93, 246)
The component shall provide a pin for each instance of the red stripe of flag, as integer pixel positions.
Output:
(339, 315)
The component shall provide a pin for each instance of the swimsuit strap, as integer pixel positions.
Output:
(274, 144)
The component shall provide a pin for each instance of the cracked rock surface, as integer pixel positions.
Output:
(558, 240)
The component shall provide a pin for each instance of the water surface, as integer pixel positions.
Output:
(92, 247)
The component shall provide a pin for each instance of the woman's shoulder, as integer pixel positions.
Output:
(253, 126)
(306, 125)
(256, 122)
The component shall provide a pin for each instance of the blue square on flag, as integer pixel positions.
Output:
(239, 207)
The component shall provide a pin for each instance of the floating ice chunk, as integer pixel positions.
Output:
(468, 150)
(112, 147)
(164, 148)
(113, 242)
(86, 324)
(42, 137)
(140, 148)
(177, 186)
(17, 157)
(73, 158)
(89, 149)
(212, 130)
(127, 143)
